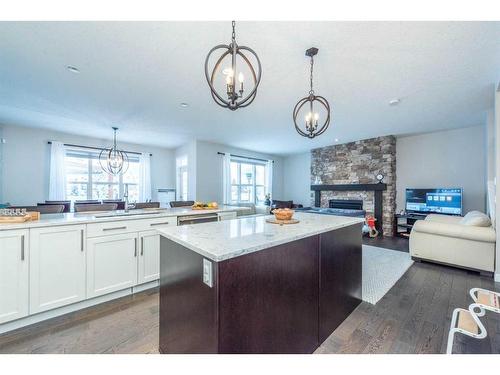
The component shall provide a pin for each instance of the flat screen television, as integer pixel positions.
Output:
(441, 201)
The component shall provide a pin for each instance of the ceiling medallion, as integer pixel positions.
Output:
(112, 160)
(311, 118)
(233, 97)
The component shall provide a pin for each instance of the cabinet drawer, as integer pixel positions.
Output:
(112, 227)
(148, 224)
(128, 226)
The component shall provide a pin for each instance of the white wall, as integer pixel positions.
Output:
(297, 178)
(25, 179)
(453, 158)
(490, 146)
(209, 170)
(497, 174)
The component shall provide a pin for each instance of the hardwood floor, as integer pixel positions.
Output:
(413, 317)
(393, 243)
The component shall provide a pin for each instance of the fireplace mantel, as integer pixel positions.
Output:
(378, 188)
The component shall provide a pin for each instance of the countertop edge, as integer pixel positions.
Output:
(90, 219)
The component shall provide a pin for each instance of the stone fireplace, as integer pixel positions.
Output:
(358, 163)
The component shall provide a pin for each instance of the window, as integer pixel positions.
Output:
(248, 182)
(182, 178)
(85, 178)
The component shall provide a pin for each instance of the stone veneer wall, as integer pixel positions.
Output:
(359, 163)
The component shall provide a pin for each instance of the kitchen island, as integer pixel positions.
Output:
(248, 286)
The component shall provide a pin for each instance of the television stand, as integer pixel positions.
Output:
(403, 223)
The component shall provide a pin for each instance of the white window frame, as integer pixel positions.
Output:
(93, 155)
(253, 185)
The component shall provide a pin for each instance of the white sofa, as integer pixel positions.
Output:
(467, 242)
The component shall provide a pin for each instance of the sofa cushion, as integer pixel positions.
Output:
(476, 219)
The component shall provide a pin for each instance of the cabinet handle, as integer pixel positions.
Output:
(155, 224)
(135, 247)
(115, 228)
(81, 240)
(142, 246)
(22, 247)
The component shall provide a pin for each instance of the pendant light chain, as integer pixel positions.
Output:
(311, 92)
(234, 33)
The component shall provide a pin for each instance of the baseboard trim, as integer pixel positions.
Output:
(45, 315)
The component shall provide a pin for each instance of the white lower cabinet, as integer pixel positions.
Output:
(14, 274)
(57, 267)
(111, 263)
(149, 257)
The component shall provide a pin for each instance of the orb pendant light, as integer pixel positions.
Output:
(226, 78)
(311, 127)
(113, 160)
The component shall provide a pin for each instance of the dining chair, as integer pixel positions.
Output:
(147, 205)
(120, 203)
(90, 201)
(181, 203)
(67, 204)
(87, 207)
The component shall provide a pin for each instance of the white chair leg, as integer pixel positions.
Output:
(451, 334)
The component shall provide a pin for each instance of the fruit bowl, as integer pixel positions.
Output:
(283, 214)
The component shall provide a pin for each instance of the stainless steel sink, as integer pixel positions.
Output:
(117, 214)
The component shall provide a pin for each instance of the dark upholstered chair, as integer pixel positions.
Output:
(120, 203)
(45, 209)
(147, 205)
(284, 204)
(181, 203)
(66, 204)
(91, 201)
(86, 207)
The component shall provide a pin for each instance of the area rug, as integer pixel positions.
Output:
(382, 268)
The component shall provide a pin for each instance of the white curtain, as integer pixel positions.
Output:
(269, 177)
(144, 177)
(226, 178)
(57, 176)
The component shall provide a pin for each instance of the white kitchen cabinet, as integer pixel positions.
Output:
(149, 257)
(57, 266)
(14, 274)
(111, 263)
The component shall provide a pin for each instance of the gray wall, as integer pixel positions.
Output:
(297, 178)
(26, 154)
(453, 158)
(209, 170)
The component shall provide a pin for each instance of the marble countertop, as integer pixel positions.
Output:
(228, 239)
(119, 215)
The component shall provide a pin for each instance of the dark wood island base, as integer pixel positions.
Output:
(284, 299)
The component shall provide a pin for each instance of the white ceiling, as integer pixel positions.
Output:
(135, 74)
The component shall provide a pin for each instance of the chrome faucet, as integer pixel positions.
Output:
(125, 198)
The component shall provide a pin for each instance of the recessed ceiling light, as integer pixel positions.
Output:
(394, 101)
(73, 69)
(336, 139)
(184, 105)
